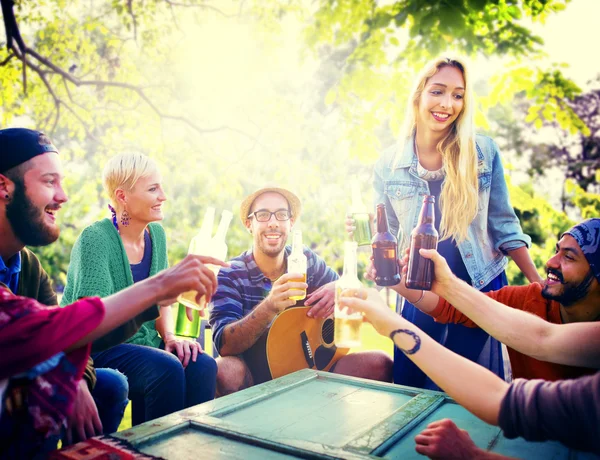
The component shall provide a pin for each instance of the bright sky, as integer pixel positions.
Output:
(570, 36)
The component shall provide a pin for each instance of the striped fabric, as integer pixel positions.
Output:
(243, 286)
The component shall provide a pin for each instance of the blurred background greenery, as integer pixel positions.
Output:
(231, 95)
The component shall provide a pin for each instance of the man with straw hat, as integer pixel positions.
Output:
(256, 288)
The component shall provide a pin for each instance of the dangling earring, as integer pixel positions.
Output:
(125, 218)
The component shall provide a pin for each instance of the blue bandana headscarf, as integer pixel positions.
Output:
(587, 235)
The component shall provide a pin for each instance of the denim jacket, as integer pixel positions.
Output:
(495, 229)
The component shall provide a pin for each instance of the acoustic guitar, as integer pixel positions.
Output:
(294, 341)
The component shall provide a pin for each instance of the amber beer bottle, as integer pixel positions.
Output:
(424, 236)
(385, 251)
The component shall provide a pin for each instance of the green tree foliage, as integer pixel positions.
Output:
(575, 152)
(587, 203)
(378, 46)
(541, 222)
(578, 152)
(219, 97)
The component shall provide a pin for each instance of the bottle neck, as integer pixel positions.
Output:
(382, 222)
(427, 215)
(350, 263)
(207, 224)
(223, 225)
(297, 242)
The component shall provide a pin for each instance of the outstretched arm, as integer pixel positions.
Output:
(461, 378)
(536, 410)
(576, 344)
(189, 275)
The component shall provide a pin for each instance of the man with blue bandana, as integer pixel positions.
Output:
(570, 294)
(555, 394)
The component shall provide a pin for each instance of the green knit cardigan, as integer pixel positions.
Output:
(99, 267)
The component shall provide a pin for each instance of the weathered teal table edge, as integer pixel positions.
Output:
(373, 442)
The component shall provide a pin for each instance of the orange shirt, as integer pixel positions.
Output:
(527, 298)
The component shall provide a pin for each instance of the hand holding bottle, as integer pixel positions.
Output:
(350, 225)
(202, 244)
(366, 226)
(191, 274)
(420, 271)
(374, 308)
(443, 278)
(283, 290)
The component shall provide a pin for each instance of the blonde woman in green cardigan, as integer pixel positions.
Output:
(165, 373)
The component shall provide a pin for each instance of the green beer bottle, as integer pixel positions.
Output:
(198, 245)
(183, 326)
(360, 214)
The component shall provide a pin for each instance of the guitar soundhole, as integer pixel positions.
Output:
(327, 329)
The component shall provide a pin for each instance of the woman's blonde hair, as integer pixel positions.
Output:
(123, 171)
(459, 196)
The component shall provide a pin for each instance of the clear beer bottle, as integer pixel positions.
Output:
(347, 321)
(203, 244)
(297, 262)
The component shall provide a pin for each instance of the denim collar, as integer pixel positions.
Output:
(255, 274)
(408, 157)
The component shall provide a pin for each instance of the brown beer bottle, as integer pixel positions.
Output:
(425, 236)
(385, 251)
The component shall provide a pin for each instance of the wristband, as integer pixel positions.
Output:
(417, 339)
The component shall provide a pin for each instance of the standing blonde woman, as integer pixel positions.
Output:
(439, 154)
(165, 373)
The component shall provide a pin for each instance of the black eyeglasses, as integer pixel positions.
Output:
(263, 215)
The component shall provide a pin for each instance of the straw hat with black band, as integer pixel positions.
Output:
(293, 202)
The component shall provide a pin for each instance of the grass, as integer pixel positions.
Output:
(371, 340)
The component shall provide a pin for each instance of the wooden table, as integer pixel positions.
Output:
(311, 414)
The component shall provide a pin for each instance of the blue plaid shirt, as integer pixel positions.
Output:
(243, 286)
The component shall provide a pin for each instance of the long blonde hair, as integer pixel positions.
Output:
(123, 171)
(459, 196)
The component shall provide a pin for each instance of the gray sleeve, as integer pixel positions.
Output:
(567, 411)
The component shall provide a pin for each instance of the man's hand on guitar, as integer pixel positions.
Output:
(279, 297)
(322, 301)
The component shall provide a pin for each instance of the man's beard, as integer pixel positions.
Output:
(571, 294)
(27, 221)
(270, 250)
